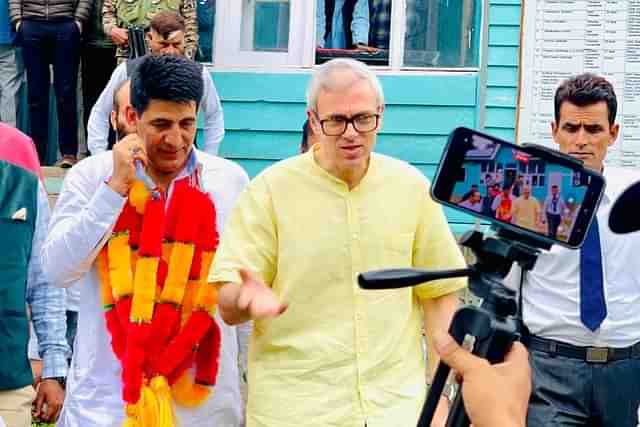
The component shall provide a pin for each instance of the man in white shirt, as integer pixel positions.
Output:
(165, 92)
(166, 37)
(581, 306)
(553, 208)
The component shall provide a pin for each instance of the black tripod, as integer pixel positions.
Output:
(495, 325)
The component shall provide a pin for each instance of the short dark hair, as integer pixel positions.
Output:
(306, 130)
(584, 90)
(167, 78)
(165, 23)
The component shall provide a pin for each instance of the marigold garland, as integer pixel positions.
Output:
(157, 302)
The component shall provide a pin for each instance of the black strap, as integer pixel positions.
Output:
(524, 330)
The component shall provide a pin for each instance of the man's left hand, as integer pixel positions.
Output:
(49, 399)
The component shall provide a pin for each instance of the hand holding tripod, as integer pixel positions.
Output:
(495, 325)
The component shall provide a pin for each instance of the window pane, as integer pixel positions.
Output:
(265, 25)
(357, 29)
(442, 33)
(206, 24)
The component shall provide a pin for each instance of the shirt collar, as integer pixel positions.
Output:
(337, 181)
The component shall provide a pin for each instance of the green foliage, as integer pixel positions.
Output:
(38, 423)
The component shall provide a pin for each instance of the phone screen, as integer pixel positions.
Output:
(519, 187)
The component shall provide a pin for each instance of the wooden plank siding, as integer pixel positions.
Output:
(502, 68)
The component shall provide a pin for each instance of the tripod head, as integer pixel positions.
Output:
(494, 325)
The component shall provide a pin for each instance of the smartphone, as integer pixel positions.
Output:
(530, 190)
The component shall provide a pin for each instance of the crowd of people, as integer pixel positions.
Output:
(37, 39)
(514, 203)
(180, 259)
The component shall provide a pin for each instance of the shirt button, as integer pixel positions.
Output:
(355, 236)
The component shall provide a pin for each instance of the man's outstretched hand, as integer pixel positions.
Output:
(253, 299)
(257, 298)
(493, 395)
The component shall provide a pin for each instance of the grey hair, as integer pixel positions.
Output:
(323, 79)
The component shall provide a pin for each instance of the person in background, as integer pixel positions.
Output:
(24, 208)
(552, 209)
(465, 196)
(580, 307)
(50, 35)
(379, 23)
(308, 137)
(98, 60)
(336, 354)
(503, 205)
(473, 202)
(343, 24)
(516, 187)
(118, 117)
(11, 68)
(118, 16)
(526, 210)
(166, 37)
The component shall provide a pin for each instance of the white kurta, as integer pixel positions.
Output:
(82, 220)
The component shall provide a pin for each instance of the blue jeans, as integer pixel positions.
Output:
(571, 393)
(55, 43)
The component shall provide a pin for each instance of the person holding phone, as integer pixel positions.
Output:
(581, 306)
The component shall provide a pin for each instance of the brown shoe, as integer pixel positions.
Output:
(66, 162)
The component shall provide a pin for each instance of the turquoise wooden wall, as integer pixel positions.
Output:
(264, 112)
(502, 68)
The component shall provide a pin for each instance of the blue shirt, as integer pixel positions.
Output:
(338, 39)
(47, 302)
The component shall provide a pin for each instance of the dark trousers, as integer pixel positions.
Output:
(553, 222)
(72, 327)
(574, 393)
(97, 65)
(54, 43)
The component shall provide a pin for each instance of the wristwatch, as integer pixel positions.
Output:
(61, 380)
(449, 391)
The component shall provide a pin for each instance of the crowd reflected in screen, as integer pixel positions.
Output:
(513, 187)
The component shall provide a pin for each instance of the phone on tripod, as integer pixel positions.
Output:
(534, 197)
(528, 189)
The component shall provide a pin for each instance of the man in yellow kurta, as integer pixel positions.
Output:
(325, 352)
(526, 210)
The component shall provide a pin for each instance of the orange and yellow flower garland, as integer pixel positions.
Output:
(158, 305)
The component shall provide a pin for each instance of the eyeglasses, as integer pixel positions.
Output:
(337, 126)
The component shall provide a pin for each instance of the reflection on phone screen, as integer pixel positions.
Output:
(514, 187)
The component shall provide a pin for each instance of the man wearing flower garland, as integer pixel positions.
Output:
(325, 352)
(136, 339)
